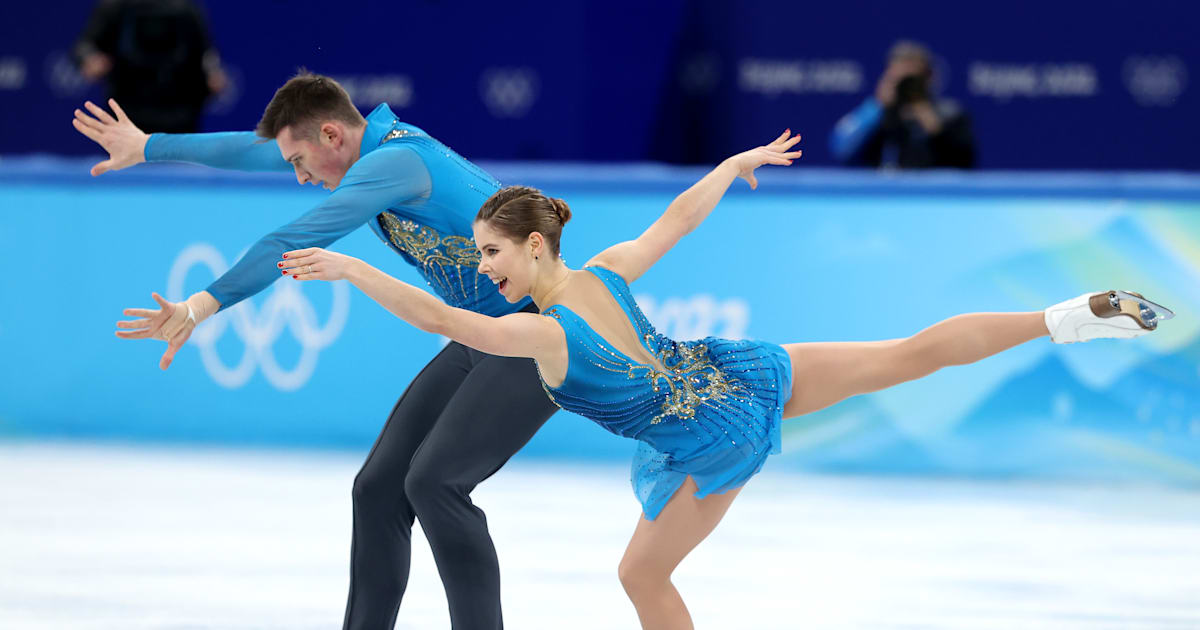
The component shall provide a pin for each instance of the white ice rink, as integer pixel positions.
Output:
(135, 538)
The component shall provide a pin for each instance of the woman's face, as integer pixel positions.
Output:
(508, 263)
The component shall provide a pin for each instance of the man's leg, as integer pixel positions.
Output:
(381, 547)
(498, 408)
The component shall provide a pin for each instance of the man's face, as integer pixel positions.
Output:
(319, 161)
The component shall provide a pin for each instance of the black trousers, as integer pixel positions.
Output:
(460, 420)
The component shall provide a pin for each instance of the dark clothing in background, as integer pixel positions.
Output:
(874, 136)
(160, 51)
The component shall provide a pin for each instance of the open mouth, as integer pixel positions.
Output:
(501, 283)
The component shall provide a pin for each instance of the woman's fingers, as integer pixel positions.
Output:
(784, 145)
(140, 312)
(291, 266)
(133, 323)
(305, 272)
(292, 263)
(295, 253)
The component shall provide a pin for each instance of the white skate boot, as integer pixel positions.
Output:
(1111, 315)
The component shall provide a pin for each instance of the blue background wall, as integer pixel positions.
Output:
(555, 90)
(1098, 85)
(810, 256)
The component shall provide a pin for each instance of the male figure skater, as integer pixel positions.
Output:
(465, 414)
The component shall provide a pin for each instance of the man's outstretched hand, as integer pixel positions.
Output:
(125, 143)
(172, 322)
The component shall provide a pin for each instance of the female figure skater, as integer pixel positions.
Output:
(708, 412)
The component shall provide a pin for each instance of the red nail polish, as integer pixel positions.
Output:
(296, 277)
(285, 255)
(284, 272)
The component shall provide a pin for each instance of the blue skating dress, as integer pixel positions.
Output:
(714, 413)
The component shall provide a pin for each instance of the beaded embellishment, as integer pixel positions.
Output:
(428, 247)
(691, 380)
(688, 374)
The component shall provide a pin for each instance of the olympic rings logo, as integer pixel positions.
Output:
(285, 308)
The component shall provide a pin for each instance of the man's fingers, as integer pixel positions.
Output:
(99, 112)
(167, 357)
(173, 346)
(112, 102)
(135, 334)
(92, 134)
(88, 121)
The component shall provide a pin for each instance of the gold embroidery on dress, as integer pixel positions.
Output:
(427, 246)
(691, 381)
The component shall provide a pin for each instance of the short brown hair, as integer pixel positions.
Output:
(518, 211)
(304, 102)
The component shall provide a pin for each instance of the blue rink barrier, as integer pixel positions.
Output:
(809, 256)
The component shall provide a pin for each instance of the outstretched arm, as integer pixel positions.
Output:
(515, 335)
(127, 145)
(632, 258)
(383, 178)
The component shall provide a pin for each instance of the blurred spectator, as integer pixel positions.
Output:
(903, 124)
(157, 57)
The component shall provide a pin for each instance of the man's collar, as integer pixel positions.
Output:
(379, 122)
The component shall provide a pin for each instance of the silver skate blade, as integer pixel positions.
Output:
(1148, 311)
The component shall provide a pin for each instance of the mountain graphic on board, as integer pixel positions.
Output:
(1041, 420)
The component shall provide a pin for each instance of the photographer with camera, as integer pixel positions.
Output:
(903, 125)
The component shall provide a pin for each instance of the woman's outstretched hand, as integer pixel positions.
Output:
(775, 153)
(315, 263)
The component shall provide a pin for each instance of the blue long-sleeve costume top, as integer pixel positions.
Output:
(415, 193)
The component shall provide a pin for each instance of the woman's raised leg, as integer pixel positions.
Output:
(659, 546)
(827, 373)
